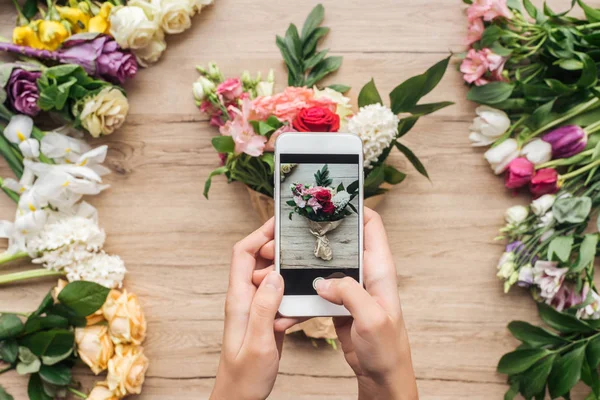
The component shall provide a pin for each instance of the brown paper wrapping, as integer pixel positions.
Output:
(318, 328)
(319, 230)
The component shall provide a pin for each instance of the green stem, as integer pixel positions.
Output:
(21, 314)
(559, 160)
(592, 128)
(5, 370)
(7, 257)
(12, 195)
(576, 111)
(579, 171)
(31, 274)
(77, 393)
(586, 26)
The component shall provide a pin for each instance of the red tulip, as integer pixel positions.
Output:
(519, 173)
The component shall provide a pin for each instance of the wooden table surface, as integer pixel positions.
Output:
(176, 244)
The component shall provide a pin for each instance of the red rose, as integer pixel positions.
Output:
(323, 196)
(316, 119)
(328, 208)
(544, 181)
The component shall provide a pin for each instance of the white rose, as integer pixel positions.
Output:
(541, 205)
(500, 156)
(537, 151)
(516, 214)
(176, 15)
(105, 112)
(488, 126)
(153, 51)
(133, 27)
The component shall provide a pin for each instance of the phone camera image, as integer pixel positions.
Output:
(319, 220)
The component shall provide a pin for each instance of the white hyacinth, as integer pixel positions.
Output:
(104, 269)
(340, 200)
(377, 126)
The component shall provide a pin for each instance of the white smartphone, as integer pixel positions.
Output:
(318, 217)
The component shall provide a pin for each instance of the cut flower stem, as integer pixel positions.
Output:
(31, 274)
(8, 257)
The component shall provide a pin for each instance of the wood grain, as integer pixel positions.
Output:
(177, 245)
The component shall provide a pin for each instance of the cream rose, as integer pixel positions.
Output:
(343, 109)
(151, 53)
(176, 15)
(133, 26)
(94, 347)
(101, 392)
(104, 112)
(126, 321)
(127, 370)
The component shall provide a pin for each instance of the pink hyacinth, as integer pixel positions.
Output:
(475, 31)
(287, 104)
(488, 10)
(478, 63)
(240, 129)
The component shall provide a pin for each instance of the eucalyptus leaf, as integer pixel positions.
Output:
(573, 210)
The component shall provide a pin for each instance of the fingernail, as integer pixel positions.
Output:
(273, 280)
(322, 284)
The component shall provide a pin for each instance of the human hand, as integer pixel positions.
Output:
(252, 337)
(374, 339)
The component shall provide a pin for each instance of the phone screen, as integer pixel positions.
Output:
(319, 221)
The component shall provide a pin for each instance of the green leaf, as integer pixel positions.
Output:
(406, 124)
(85, 298)
(269, 159)
(223, 144)
(566, 371)
(9, 349)
(10, 326)
(35, 389)
(562, 322)
(57, 374)
(592, 14)
(322, 177)
(64, 311)
(30, 8)
(51, 360)
(534, 336)
(36, 323)
(314, 19)
(512, 391)
(291, 203)
(587, 252)
(424, 109)
(593, 352)
(530, 8)
(570, 64)
(534, 379)
(310, 44)
(315, 59)
(590, 376)
(46, 303)
(4, 394)
(520, 360)
(339, 88)
(322, 69)
(490, 35)
(28, 368)
(589, 74)
(369, 95)
(560, 247)
(374, 179)
(434, 75)
(574, 210)
(219, 171)
(412, 158)
(392, 175)
(492, 93)
(49, 343)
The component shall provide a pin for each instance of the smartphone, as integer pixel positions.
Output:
(318, 217)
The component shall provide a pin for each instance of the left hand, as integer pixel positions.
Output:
(253, 335)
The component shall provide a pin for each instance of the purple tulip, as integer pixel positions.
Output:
(22, 91)
(566, 141)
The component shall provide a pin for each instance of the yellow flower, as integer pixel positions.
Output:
(104, 112)
(52, 34)
(78, 19)
(126, 321)
(26, 36)
(94, 347)
(100, 23)
(101, 392)
(127, 370)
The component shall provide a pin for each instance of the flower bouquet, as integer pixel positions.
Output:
(250, 116)
(323, 207)
(534, 72)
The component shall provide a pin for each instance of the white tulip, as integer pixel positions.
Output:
(500, 156)
(516, 214)
(488, 126)
(133, 27)
(541, 205)
(151, 53)
(19, 128)
(537, 151)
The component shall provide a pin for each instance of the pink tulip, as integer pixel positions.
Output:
(475, 31)
(519, 173)
(488, 10)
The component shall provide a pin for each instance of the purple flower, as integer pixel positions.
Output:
(514, 247)
(566, 141)
(23, 92)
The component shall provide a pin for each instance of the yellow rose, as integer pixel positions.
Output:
(127, 370)
(52, 34)
(78, 19)
(59, 286)
(101, 392)
(104, 112)
(94, 347)
(126, 321)
(100, 22)
(26, 36)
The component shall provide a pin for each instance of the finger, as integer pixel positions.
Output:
(260, 332)
(268, 251)
(241, 290)
(349, 293)
(260, 274)
(279, 337)
(282, 324)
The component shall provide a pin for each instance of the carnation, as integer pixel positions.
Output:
(377, 126)
(340, 200)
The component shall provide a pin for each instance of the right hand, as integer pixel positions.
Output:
(374, 338)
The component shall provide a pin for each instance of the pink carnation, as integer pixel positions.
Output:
(488, 10)
(478, 63)
(230, 89)
(287, 104)
(240, 129)
(475, 31)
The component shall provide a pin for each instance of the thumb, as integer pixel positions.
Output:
(264, 309)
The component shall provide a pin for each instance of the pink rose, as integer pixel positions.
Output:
(230, 89)
(240, 129)
(475, 31)
(287, 104)
(488, 10)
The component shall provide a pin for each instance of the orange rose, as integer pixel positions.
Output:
(94, 347)
(127, 370)
(126, 321)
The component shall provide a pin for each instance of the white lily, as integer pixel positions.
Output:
(19, 128)
(62, 147)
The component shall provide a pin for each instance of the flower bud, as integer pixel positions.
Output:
(541, 205)
(246, 78)
(545, 181)
(525, 276)
(516, 214)
(500, 156)
(214, 73)
(198, 91)
(566, 141)
(519, 173)
(202, 88)
(537, 151)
